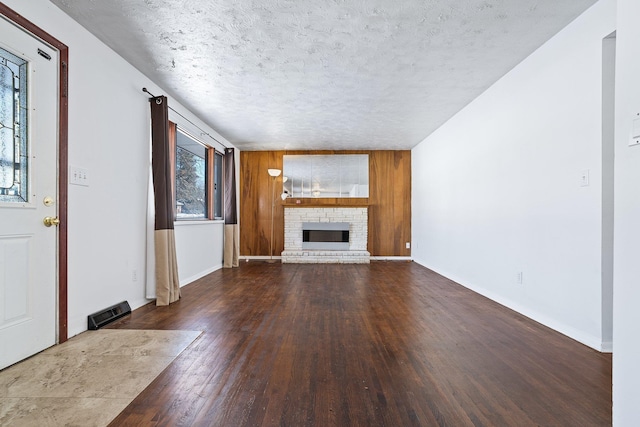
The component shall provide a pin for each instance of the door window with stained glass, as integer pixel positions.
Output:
(14, 156)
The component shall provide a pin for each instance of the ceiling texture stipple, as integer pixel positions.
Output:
(339, 74)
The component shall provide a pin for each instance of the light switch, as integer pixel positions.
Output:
(635, 132)
(78, 176)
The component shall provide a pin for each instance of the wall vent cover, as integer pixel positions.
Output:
(108, 315)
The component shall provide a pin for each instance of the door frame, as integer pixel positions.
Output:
(63, 158)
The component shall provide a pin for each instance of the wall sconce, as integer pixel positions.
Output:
(285, 193)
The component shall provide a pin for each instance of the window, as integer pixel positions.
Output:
(191, 176)
(198, 172)
(14, 159)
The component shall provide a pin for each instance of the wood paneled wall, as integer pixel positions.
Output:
(389, 201)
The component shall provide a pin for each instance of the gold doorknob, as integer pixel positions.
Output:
(49, 221)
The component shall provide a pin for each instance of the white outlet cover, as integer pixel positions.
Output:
(584, 178)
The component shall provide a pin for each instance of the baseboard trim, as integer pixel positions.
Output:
(195, 277)
(606, 347)
(248, 258)
(543, 319)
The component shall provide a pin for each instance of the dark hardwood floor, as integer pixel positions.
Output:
(386, 344)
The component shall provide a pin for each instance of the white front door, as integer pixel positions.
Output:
(28, 194)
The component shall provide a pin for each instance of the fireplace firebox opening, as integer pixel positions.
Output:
(325, 235)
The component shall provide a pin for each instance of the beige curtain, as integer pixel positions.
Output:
(231, 245)
(231, 229)
(167, 282)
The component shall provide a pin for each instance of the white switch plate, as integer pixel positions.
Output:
(635, 132)
(408, 245)
(78, 176)
(584, 178)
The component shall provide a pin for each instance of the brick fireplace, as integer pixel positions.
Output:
(295, 217)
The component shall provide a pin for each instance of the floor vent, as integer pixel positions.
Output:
(108, 315)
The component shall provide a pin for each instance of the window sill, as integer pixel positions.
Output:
(185, 222)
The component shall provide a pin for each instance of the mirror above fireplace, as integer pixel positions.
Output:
(326, 175)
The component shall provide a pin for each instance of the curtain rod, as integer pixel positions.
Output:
(144, 89)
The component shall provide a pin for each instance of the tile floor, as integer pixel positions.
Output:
(88, 380)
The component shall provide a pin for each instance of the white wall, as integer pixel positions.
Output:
(497, 189)
(197, 256)
(626, 357)
(108, 136)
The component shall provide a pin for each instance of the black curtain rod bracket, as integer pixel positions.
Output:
(144, 89)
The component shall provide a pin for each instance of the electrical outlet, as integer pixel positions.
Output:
(408, 245)
(134, 275)
(584, 178)
(519, 278)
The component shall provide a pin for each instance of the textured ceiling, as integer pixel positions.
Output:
(332, 74)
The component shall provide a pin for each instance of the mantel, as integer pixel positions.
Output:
(328, 202)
